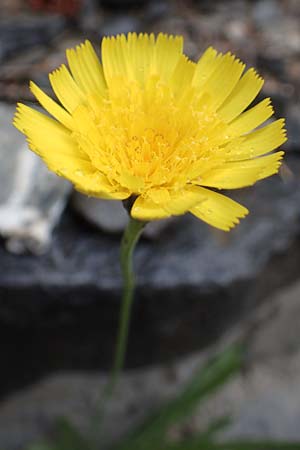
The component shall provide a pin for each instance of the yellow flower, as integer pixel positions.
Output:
(151, 124)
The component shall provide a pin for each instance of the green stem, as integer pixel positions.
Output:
(130, 238)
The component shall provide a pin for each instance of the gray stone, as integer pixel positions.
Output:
(31, 198)
(293, 125)
(263, 400)
(69, 298)
(123, 23)
(123, 4)
(267, 12)
(21, 32)
(111, 217)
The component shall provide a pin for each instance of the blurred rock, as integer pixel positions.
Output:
(122, 4)
(293, 126)
(90, 17)
(120, 24)
(263, 401)
(192, 275)
(107, 215)
(111, 217)
(69, 8)
(273, 65)
(156, 9)
(19, 68)
(9, 7)
(31, 198)
(266, 13)
(23, 32)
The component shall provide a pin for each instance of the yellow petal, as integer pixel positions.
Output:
(95, 184)
(182, 75)
(160, 196)
(219, 211)
(55, 145)
(181, 203)
(65, 88)
(86, 68)
(205, 67)
(271, 165)
(251, 119)
(168, 50)
(52, 107)
(223, 79)
(242, 95)
(234, 175)
(131, 182)
(264, 140)
(257, 143)
(86, 126)
(145, 209)
(139, 56)
(51, 140)
(175, 203)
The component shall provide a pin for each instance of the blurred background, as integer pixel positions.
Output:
(197, 288)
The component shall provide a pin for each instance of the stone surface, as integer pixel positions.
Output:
(31, 198)
(112, 217)
(263, 400)
(108, 216)
(124, 23)
(67, 300)
(21, 32)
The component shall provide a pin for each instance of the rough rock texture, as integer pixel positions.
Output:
(20, 32)
(31, 198)
(263, 401)
(67, 300)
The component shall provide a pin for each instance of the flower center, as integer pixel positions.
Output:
(145, 137)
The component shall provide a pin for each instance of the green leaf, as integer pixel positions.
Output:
(256, 445)
(196, 444)
(41, 446)
(69, 438)
(215, 427)
(205, 381)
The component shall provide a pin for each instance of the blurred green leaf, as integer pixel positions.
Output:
(69, 438)
(152, 434)
(215, 427)
(256, 445)
(41, 446)
(205, 381)
(194, 444)
(66, 437)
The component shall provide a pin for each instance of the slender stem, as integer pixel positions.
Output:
(130, 238)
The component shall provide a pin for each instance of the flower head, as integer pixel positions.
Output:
(149, 123)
